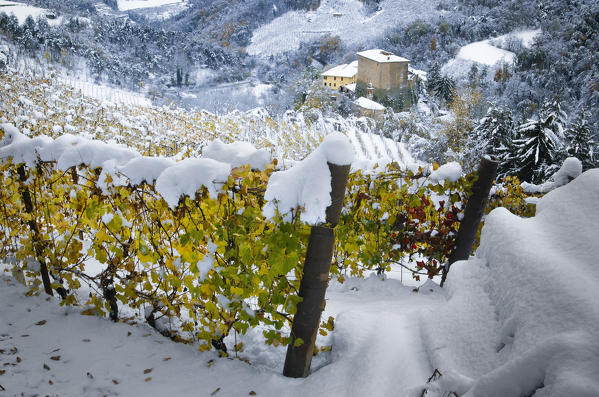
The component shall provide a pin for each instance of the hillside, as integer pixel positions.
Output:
(39, 105)
(350, 20)
(184, 201)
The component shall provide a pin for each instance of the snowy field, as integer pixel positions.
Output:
(509, 323)
(107, 95)
(347, 19)
(126, 5)
(22, 11)
(154, 9)
(488, 52)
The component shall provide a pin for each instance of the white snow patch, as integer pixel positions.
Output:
(487, 52)
(22, 11)
(145, 169)
(570, 169)
(126, 5)
(308, 183)
(237, 154)
(188, 176)
(451, 172)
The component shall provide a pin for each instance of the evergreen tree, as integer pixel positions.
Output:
(179, 77)
(432, 79)
(445, 89)
(580, 142)
(540, 143)
(493, 136)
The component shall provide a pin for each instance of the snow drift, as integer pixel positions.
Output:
(522, 317)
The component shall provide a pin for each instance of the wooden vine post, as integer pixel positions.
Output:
(33, 226)
(487, 170)
(315, 281)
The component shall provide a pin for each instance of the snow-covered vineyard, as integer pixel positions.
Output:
(519, 318)
(290, 198)
(46, 106)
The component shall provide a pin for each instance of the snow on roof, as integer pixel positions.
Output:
(345, 70)
(368, 104)
(351, 87)
(382, 56)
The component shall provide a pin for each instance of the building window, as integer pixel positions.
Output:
(335, 84)
(335, 78)
(325, 77)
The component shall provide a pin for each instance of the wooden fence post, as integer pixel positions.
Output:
(32, 223)
(315, 280)
(487, 170)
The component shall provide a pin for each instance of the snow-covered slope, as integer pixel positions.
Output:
(106, 94)
(488, 52)
(522, 317)
(22, 11)
(113, 115)
(347, 19)
(125, 5)
(154, 9)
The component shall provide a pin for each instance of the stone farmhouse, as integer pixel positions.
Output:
(380, 73)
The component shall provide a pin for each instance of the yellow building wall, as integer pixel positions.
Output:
(334, 82)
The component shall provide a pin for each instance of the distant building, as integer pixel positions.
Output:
(368, 108)
(383, 69)
(340, 76)
(384, 73)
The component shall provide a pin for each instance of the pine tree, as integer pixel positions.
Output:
(445, 89)
(432, 79)
(540, 143)
(493, 136)
(580, 142)
(179, 77)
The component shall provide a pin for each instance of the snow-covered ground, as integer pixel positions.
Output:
(347, 19)
(106, 94)
(72, 355)
(22, 11)
(125, 5)
(488, 52)
(519, 319)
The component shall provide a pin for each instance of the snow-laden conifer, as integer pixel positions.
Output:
(580, 142)
(538, 149)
